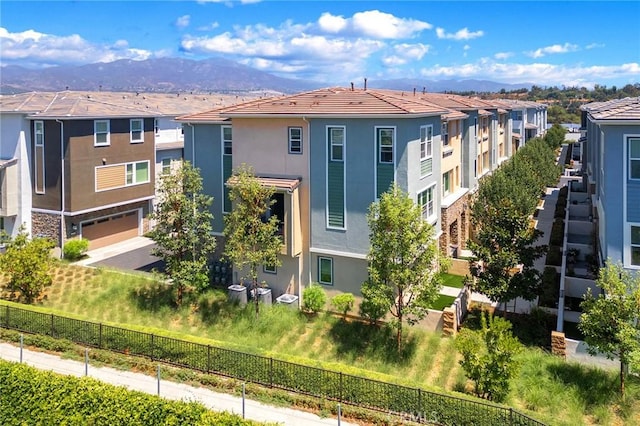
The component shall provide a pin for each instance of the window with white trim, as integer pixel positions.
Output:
(385, 138)
(635, 245)
(445, 134)
(446, 183)
(325, 270)
(336, 140)
(295, 140)
(425, 200)
(136, 131)
(101, 133)
(137, 173)
(634, 158)
(166, 166)
(227, 141)
(38, 135)
(426, 141)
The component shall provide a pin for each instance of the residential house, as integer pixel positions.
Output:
(611, 162)
(529, 120)
(330, 153)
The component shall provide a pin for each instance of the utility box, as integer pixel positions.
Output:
(290, 300)
(264, 295)
(237, 293)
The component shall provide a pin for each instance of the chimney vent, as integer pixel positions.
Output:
(365, 83)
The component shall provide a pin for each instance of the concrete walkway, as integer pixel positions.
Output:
(95, 256)
(170, 390)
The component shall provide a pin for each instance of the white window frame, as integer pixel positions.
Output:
(39, 142)
(96, 133)
(134, 165)
(426, 142)
(295, 143)
(227, 144)
(379, 131)
(164, 167)
(445, 134)
(630, 158)
(333, 143)
(447, 176)
(330, 260)
(141, 130)
(425, 214)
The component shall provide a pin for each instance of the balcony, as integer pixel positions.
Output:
(9, 187)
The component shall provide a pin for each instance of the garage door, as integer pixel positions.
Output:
(110, 230)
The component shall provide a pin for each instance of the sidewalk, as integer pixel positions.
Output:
(170, 390)
(94, 256)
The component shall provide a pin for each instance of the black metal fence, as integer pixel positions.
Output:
(413, 404)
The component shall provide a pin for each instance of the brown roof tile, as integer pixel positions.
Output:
(616, 109)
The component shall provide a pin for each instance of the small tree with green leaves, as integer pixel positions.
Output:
(404, 268)
(183, 229)
(314, 298)
(610, 321)
(489, 356)
(26, 264)
(251, 239)
(343, 303)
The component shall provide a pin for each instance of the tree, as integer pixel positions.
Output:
(489, 356)
(404, 269)
(555, 136)
(609, 321)
(26, 265)
(183, 232)
(251, 238)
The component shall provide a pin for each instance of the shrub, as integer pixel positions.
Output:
(75, 249)
(313, 298)
(554, 256)
(343, 303)
(550, 287)
(557, 233)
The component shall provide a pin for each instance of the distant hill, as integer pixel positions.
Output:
(209, 75)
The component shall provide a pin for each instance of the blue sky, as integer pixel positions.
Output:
(547, 43)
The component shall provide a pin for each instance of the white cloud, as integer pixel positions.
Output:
(183, 21)
(466, 47)
(412, 51)
(209, 27)
(594, 46)
(33, 49)
(555, 48)
(371, 23)
(463, 34)
(503, 55)
(332, 24)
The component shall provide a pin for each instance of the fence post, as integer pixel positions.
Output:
(158, 379)
(340, 388)
(420, 401)
(208, 358)
(86, 361)
(52, 326)
(339, 413)
(270, 372)
(152, 344)
(21, 346)
(243, 394)
(510, 415)
(7, 316)
(100, 336)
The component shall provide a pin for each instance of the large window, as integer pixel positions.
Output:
(426, 141)
(635, 245)
(446, 183)
(336, 143)
(227, 151)
(101, 133)
(38, 134)
(295, 140)
(385, 145)
(445, 134)
(137, 130)
(425, 200)
(137, 173)
(166, 166)
(325, 270)
(634, 158)
(227, 140)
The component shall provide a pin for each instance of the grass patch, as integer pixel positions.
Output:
(443, 301)
(450, 280)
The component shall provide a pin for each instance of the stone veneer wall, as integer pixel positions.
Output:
(455, 213)
(46, 225)
(558, 344)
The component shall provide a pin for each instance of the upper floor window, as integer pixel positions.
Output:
(445, 134)
(426, 141)
(39, 132)
(634, 158)
(137, 130)
(385, 145)
(156, 127)
(137, 173)
(227, 142)
(101, 135)
(166, 166)
(336, 143)
(295, 140)
(446, 183)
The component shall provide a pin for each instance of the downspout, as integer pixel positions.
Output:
(307, 249)
(62, 189)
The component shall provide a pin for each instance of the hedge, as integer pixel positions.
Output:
(31, 396)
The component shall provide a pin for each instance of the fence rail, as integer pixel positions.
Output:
(414, 404)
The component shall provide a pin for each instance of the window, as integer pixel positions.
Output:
(38, 135)
(39, 132)
(156, 127)
(137, 130)
(635, 245)
(227, 140)
(269, 269)
(336, 143)
(445, 134)
(325, 270)
(475, 127)
(137, 173)
(425, 200)
(634, 158)
(385, 145)
(101, 133)
(295, 140)
(426, 139)
(166, 166)
(446, 183)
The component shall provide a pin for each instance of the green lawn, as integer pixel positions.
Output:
(559, 392)
(443, 301)
(449, 280)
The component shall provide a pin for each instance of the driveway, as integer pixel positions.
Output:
(133, 255)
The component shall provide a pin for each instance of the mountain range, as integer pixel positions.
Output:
(209, 75)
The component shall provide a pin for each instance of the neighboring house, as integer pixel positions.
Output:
(611, 158)
(330, 153)
(83, 163)
(529, 120)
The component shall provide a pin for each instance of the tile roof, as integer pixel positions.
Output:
(616, 109)
(519, 104)
(82, 104)
(163, 146)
